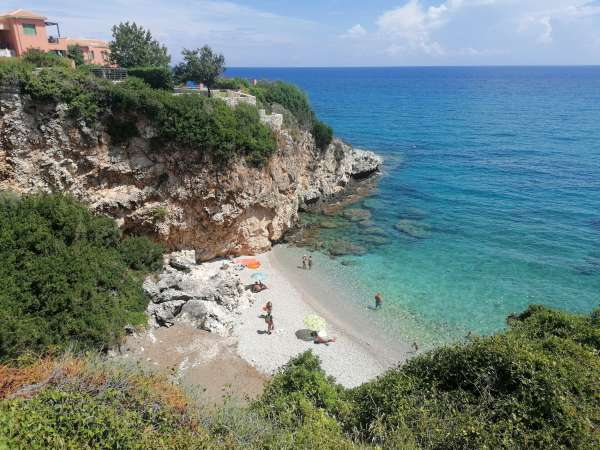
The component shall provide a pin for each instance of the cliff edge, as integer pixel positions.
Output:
(178, 197)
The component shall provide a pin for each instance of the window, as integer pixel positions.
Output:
(29, 29)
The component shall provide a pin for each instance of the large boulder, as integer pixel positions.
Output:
(365, 163)
(206, 295)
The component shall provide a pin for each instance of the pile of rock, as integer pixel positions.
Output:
(206, 295)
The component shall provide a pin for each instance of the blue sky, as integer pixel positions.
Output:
(351, 32)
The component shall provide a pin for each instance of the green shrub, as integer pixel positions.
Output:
(236, 83)
(90, 405)
(207, 127)
(66, 278)
(121, 130)
(288, 96)
(155, 77)
(299, 388)
(140, 253)
(323, 134)
(39, 58)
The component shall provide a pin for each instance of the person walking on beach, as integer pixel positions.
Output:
(310, 262)
(304, 261)
(378, 300)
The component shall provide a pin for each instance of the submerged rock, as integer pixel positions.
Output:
(330, 224)
(340, 247)
(375, 240)
(413, 228)
(357, 215)
(413, 214)
(207, 295)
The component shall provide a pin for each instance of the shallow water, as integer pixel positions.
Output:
(490, 197)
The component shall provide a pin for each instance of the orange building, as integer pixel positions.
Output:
(22, 30)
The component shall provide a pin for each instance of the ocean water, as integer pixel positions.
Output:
(490, 196)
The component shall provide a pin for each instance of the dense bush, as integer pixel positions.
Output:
(236, 83)
(155, 77)
(89, 404)
(205, 125)
(210, 125)
(323, 134)
(534, 386)
(288, 96)
(68, 278)
(39, 58)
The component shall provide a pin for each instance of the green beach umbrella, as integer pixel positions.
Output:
(315, 322)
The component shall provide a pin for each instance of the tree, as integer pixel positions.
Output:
(75, 53)
(133, 46)
(201, 65)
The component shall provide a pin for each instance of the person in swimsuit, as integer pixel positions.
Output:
(310, 262)
(269, 321)
(321, 337)
(378, 300)
(268, 308)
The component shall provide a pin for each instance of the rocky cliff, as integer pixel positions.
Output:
(177, 196)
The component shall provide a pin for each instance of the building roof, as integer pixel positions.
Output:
(86, 42)
(22, 14)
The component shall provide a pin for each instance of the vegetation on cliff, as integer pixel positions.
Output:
(204, 125)
(69, 279)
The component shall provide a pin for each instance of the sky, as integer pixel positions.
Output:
(314, 33)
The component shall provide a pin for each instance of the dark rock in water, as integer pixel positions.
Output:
(375, 231)
(348, 262)
(371, 203)
(413, 228)
(413, 214)
(357, 215)
(375, 240)
(595, 224)
(366, 224)
(330, 224)
(340, 247)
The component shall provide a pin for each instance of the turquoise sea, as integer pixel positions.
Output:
(498, 170)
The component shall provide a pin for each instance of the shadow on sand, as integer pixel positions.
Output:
(305, 335)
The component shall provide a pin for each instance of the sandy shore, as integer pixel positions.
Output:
(237, 366)
(357, 355)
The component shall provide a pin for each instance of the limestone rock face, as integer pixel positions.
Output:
(175, 194)
(206, 295)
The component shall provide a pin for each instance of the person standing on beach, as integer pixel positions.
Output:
(304, 261)
(378, 300)
(268, 309)
(310, 262)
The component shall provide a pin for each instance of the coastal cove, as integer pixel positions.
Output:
(495, 170)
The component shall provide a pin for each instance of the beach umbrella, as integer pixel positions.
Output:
(259, 276)
(315, 322)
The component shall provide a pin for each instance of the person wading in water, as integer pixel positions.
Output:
(378, 300)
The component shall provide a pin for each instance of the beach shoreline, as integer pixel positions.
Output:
(359, 354)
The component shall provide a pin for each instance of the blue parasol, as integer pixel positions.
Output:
(259, 276)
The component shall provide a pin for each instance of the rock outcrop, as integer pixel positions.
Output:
(208, 295)
(177, 196)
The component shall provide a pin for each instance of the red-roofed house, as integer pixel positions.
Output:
(21, 30)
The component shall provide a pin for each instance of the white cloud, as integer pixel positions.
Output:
(411, 26)
(357, 31)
